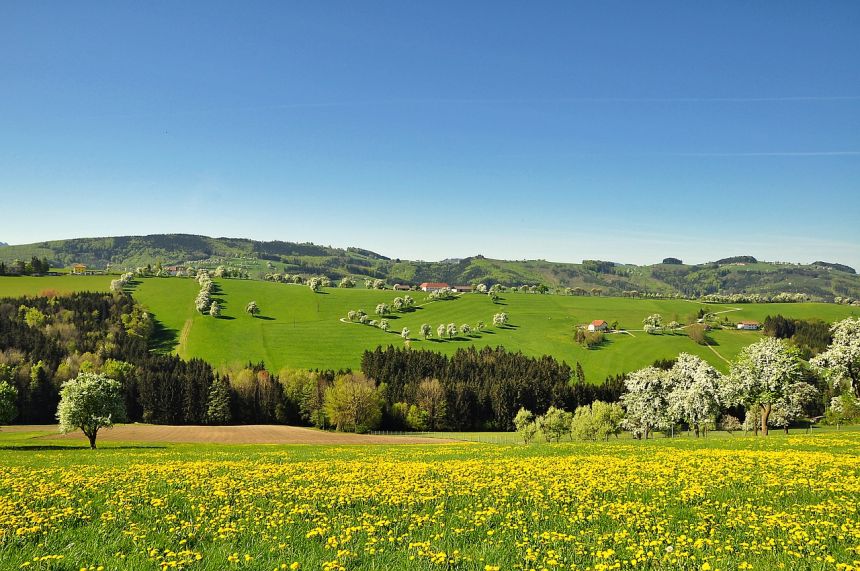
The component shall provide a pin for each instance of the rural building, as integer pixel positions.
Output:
(79, 269)
(401, 287)
(434, 286)
(464, 289)
(598, 325)
(751, 325)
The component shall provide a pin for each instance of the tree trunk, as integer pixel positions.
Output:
(92, 438)
(765, 413)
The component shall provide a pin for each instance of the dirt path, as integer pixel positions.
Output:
(183, 336)
(246, 434)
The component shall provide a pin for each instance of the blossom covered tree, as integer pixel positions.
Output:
(646, 403)
(694, 397)
(90, 402)
(766, 373)
(840, 363)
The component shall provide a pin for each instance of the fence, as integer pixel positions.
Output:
(483, 437)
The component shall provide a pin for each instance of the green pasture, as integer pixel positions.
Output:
(16, 286)
(299, 328)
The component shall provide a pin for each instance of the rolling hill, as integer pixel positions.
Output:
(739, 274)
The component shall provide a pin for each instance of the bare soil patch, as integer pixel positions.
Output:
(245, 434)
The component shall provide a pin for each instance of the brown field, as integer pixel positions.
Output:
(246, 434)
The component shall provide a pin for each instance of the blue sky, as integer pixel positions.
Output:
(628, 131)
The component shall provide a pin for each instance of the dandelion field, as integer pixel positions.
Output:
(724, 503)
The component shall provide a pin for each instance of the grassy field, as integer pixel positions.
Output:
(301, 329)
(785, 502)
(16, 286)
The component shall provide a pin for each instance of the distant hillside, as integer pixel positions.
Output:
(3, 244)
(737, 274)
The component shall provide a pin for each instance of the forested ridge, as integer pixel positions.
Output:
(732, 275)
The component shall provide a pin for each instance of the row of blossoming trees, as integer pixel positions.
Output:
(769, 380)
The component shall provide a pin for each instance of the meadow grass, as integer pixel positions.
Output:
(739, 502)
(299, 328)
(17, 286)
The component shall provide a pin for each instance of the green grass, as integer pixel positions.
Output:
(781, 502)
(298, 328)
(16, 286)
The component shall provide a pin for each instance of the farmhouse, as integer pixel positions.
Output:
(751, 325)
(401, 287)
(464, 288)
(598, 325)
(434, 286)
(79, 269)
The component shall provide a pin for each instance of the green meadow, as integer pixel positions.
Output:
(299, 328)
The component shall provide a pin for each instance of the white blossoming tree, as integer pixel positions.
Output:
(840, 363)
(90, 402)
(766, 373)
(646, 402)
(695, 397)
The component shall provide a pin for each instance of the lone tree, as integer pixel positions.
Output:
(252, 308)
(765, 374)
(353, 403)
(8, 395)
(90, 401)
(426, 330)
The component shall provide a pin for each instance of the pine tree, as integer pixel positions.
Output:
(218, 411)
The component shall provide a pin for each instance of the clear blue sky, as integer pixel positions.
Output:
(565, 130)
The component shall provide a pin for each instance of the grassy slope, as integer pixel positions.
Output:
(27, 285)
(301, 329)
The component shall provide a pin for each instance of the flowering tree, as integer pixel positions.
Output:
(451, 330)
(695, 394)
(382, 309)
(655, 320)
(646, 402)
(440, 331)
(840, 363)
(252, 308)
(479, 325)
(465, 329)
(215, 309)
(405, 334)
(500, 319)
(90, 402)
(766, 373)
(790, 407)
(383, 324)
(426, 330)
(524, 423)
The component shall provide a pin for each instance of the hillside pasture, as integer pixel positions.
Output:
(299, 328)
(17, 286)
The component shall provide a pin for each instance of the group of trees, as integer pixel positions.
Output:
(204, 302)
(34, 267)
(784, 297)
(118, 284)
(595, 421)
(767, 380)
(482, 388)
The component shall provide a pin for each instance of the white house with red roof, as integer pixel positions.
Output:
(598, 325)
(750, 325)
(434, 286)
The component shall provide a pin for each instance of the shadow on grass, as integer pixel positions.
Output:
(163, 339)
(225, 317)
(264, 317)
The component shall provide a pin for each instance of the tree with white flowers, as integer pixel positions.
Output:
(791, 406)
(500, 319)
(397, 304)
(440, 331)
(695, 395)
(383, 324)
(840, 363)
(451, 329)
(426, 330)
(524, 423)
(382, 309)
(479, 326)
(252, 308)
(90, 402)
(766, 373)
(645, 401)
(465, 329)
(315, 284)
(215, 309)
(346, 282)
(405, 334)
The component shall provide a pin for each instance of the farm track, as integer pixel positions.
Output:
(244, 434)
